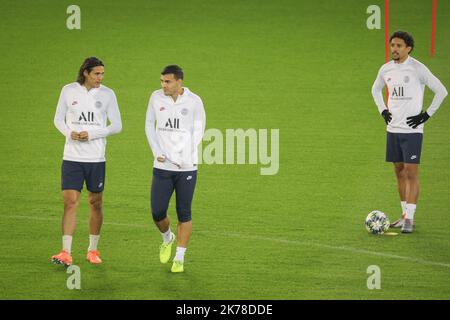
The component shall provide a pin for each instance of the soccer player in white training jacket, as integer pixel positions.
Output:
(84, 107)
(405, 78)
(175, 124)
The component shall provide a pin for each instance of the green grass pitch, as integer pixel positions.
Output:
(303, 67)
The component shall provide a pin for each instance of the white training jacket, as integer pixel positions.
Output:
(81, 110)
(175, 129)
(406, 83)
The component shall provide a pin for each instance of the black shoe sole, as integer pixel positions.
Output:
(57, 261)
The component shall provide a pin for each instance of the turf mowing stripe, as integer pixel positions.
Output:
(250, 237)
(344, 248)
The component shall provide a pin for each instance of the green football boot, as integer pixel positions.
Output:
(177, 266)
(165, 250)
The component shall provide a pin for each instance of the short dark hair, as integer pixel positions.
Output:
(405, 36)
(175, 70)
(88, 64)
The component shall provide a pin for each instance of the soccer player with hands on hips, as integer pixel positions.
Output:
(83, 109)
(405, 78)
(174, 125)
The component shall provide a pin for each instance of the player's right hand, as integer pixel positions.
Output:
(161, 158)
(386, 115)
(74, 135)
(83, 136)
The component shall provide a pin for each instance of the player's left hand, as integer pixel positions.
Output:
(84, 136)
(415, 121)
(161, 158)
(387, 116)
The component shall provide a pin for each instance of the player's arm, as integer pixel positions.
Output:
(60, 118)
(194, 137)
(430, 80)
(199, 124)
(114, 127)
(436, 86)
(150, 131)
(377, 95)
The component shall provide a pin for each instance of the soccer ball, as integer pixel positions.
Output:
(377, 222)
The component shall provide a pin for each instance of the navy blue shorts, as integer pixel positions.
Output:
(74, 174)
(404, 147)
(164, 182)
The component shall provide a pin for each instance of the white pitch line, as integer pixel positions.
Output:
(250, 237)
(342, 248)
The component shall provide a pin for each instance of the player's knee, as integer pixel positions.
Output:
(184, 216)
(70, 202)
(95, 204)
(411, 174)
(401, 175)
(158, 215)
(400, 171)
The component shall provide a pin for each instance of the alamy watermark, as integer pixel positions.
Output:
(74, 281)
(74, 20)
(239, 146)
(374, 280)
(374, 20)
(234, 146)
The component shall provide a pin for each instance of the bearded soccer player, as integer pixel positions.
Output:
(83, 109)
(405, 78)
(175, 124)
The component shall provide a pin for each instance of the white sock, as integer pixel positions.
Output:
(167, 236)
(403, 204)
(67, 243)
(410, 210)
(180, 254)
(93, 242)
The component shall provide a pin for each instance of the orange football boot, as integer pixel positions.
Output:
(62, 258)
(93, 257)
